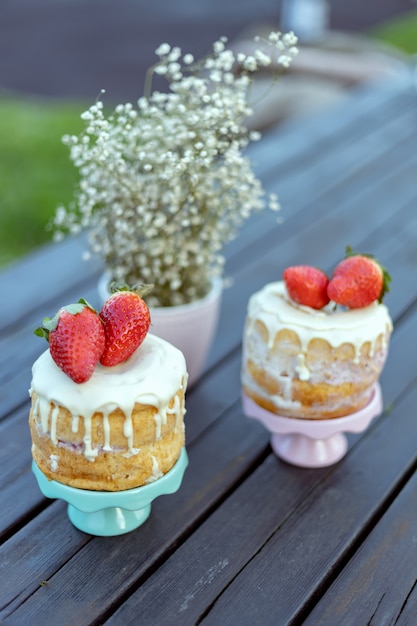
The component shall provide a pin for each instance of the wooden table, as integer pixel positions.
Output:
(248, 539)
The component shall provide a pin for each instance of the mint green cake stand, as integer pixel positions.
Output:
(110, 513)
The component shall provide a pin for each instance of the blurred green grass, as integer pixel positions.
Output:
(36, 174)
(400, 33)
(35, 171)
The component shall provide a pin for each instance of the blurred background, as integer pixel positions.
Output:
(56, 56)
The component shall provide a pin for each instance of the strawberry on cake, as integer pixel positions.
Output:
(314, 347)
(107, 397)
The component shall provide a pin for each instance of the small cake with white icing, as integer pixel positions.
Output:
(305, 357)
(103, 418)
(121, 429)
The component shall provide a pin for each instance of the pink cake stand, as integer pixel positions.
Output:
(313, 443)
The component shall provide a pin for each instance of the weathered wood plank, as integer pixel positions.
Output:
(15, 452)
(334, 184)
(355, 153)
(378, 585)
(299, 560)
(21, 501)
(219, 549)
(366, 107)
(57, 268)
(29, 559)
(107, 568)
(250, 523)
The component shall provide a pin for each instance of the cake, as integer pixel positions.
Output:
(312, 363)
(121, 429)
(107, 398)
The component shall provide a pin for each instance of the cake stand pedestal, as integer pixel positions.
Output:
(309, 442)
(109, 513)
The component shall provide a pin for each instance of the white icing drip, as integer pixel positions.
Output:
(284, 402)
(35, 407)
(128, 431)
(151, 376)
(89, 452)
(158, 425)
(286, 387)
(75, 423)
(162, 420)
(54, 416)
(156, 472)
(132, 452)
(301, 368)
(178, 410)
(281, 402)
(106, 428)
(271, 339)
(43, 413)
(53, 461)
(272, 306)
(181, 407)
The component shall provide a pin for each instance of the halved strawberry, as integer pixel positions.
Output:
(126, 321)
(76, 339)
(358, 281)
(307, 285)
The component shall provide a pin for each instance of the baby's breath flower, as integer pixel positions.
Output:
(262, 58)
(250, 64)
(163, 49)
(218, 47)
(174, 54)
(216, 76)
(165, 184)
(284, 60)
(160, 69)
(290, 39)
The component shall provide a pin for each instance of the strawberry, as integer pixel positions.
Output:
(358, 281)
(76, 340)
(126, 321)
(307, 285)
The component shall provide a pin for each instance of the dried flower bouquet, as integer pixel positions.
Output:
(165, 184)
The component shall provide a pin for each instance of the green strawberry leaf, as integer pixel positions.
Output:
(42, 332)
(141, 289)
(48, 325)
(386, 283)
(84, 303)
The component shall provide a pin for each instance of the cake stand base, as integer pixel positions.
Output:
(110, 513)
(309, 442)
(304, 451)
(108, 522)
